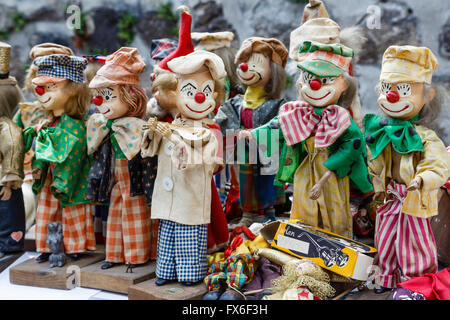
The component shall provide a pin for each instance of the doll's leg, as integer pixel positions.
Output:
(78, 228)
(190, 252)
(165, 262)
(416, 247)
(114, 234)
(48, 210)
(12, 223)
(136, 229)
(385, 242)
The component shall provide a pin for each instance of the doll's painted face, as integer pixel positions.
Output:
(256, 72)
(321, 91)
(196, 95)
(109, 103)
(53, 96)
(403, 100)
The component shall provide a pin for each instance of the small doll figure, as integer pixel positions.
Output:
(114, 134)
(220, 44)
(261, 63)
(323, 151)
(60, 163)
(408, 164)
(12, 210)
(187, 157)
(30, 114)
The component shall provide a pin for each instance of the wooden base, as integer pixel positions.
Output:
(148, 290)
(32, 273)
(115, 279)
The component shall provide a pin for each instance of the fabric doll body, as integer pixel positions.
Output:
(408, 163)
(261, 69)
(114, 136)
(322, 148)
(60, 163)
(12, 211)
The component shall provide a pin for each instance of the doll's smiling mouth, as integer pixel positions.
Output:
(49, 98)
(395, 111)
(201, 111)
(248, 78)
(318, 98)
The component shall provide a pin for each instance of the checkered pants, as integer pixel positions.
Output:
(181, 251)
(130, 233)
(77, 222)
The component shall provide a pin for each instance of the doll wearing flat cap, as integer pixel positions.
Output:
(408, 164)
(60, 162)
(114, 137)
(261, 63)
(12, 211)
(187, 157)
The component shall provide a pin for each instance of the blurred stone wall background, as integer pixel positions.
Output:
(109, 24)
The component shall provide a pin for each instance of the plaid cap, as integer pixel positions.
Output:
(325, 60)
(61, 66)
(161, 48)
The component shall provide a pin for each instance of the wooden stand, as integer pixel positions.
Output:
(148, 290)
(115, 279)
(32, 273)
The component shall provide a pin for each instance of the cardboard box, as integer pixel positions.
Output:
(333, 252)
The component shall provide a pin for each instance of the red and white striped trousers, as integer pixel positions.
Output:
(405, 244)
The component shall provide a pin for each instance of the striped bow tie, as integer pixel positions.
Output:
(299, 120)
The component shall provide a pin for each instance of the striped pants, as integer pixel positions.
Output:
(405, 244)
(181, 251)
(130, 233)
(77, 222)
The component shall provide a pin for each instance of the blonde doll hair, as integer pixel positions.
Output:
(79, 99)
(136, 99)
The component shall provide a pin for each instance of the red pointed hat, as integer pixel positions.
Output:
(185, 44)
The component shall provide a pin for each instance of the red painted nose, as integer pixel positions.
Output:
(392, 96)
(40, 90)
(97, 100)
(243, 66)
(200, 97)
(315, 84)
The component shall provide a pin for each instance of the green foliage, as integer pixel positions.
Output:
(299, 1)
(126, 28)
(19, 21)
(4, 34)
(97, 51)
(289, 81)
(165, 12)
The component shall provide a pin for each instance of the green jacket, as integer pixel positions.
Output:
(64, 145)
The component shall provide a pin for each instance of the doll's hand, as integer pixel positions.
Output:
(378, 197)
(315, 191)
(6, 191)
(44, 123)
(245, 134)
(415, 184)
(36, 173)
(163, 129)
(151, 124)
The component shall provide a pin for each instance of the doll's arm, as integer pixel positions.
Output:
(150, 140)
(316, 190)
(433, 169)
(12, 154)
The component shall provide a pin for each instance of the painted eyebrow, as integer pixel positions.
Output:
(207, 87)
(188, 84)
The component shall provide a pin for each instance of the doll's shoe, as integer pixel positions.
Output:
(247, 219)
(161, 281)
(42, 257)
(214, 295)
(74, 256)
(108, 265)
(269, 216)
(189, 283)
(230, 294)
(381, 290)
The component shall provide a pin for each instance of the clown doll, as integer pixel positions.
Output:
(165, 109)
(12, 211)
(114, 134)
(408, 164)
(323, 150)
(261, 65)
(30, 114)
(60, 162)
(187, 157)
